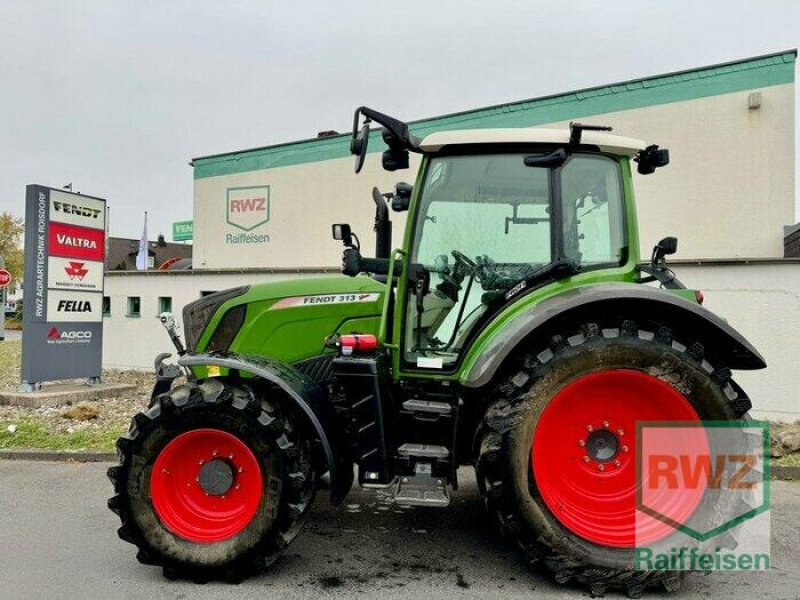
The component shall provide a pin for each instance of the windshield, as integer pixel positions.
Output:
(487, 222)
(471, 203)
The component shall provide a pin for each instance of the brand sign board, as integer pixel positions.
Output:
(247, 210)
(182, 231)
(74, 274)
(62, 315)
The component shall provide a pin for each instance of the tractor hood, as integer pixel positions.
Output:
(289, 320)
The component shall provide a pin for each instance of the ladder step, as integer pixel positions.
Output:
(422, 497)
(421, 489)
(427, 406)
(423, 451)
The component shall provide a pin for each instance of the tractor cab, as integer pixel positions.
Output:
(495, 214)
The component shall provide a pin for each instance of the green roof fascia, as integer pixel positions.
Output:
(775, 69)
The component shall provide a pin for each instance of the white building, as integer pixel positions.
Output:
(726, 195)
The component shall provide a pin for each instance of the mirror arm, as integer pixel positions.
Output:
(396, 127)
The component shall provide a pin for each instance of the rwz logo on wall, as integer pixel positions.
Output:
(247, 207)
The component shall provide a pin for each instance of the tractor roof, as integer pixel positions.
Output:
(613, 144)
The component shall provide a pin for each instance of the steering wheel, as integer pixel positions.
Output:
(460, 256)
(452, 278)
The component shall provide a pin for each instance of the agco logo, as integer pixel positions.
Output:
(247, 207)
(76, 270)
(54, 336)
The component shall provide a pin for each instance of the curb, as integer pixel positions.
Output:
(787, 473)
(53, 395)
(59, 455)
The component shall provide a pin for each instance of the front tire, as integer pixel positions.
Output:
(587, 388)
(213, 481)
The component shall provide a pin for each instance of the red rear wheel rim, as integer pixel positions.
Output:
(185, 507)
(583, 455)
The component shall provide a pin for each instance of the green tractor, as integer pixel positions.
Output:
(512, 330)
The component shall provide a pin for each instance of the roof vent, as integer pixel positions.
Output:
(328, 133)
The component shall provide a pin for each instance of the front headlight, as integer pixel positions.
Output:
(197, 314)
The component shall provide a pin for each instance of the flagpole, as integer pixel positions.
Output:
(143, 254)
(146, 244)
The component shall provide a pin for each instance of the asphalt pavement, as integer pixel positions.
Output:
(58, 540)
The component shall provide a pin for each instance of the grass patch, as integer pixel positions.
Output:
(9, 363)
(792, 460)
(34, 433)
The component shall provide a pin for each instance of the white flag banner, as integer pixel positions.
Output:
(141, 256)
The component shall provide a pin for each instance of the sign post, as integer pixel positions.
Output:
(62, 333)
(5, 281)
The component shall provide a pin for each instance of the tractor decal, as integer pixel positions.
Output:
(323, 299)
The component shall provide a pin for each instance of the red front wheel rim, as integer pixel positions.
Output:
(206, 485)
(583, 455)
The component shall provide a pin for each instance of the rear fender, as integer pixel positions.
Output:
(632, 301)
(304, 392)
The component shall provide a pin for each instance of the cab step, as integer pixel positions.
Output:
(421, 489)
(427, 406)
(423, 451)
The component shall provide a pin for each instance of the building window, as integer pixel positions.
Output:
(205, 293)
(134, 306)
(164, 304)
(106, 306)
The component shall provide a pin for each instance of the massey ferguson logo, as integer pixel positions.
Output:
(74, 209)
(76, 270)
(56, 336)
(75, 306)
(247, 207)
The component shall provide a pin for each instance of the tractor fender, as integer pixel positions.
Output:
(593, 301)
(306, 394)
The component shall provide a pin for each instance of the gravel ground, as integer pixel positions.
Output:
(112, 413)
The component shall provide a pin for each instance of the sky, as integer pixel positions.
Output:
(116, 97)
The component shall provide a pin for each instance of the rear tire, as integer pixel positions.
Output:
(181, 519)
(507, 435)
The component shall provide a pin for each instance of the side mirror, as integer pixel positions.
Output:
(342, 233)
(359, 142)
(667, 246)
(402, 197)
(650, 159)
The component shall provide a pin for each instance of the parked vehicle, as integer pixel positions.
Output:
(511, 331)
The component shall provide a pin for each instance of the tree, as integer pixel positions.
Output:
(11, 230)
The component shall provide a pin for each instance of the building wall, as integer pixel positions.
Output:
(729, 188)
(761, 299)
(731, 167)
